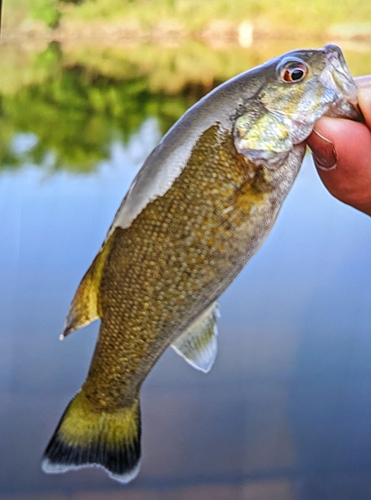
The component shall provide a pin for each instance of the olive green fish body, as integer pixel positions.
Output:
(200, 207)
(177, 257)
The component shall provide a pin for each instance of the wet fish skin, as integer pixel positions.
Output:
(198, 210)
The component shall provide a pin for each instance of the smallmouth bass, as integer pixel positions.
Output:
(200, 207)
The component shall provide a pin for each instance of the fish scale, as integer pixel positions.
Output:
(200, 207)
(171, 293)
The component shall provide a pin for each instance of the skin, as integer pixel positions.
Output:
(342, 153)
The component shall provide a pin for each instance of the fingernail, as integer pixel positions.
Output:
(323, 150)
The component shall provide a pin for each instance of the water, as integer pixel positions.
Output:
(285, 412)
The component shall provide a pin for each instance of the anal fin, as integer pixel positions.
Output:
(198, 344)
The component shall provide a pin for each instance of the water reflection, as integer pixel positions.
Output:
(285, 412)
(91, 95)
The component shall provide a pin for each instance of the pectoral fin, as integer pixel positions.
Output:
(85, 305)
(198, 344)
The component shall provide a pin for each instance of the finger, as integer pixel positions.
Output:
(341, 150)
(363, 81)
(364, 98)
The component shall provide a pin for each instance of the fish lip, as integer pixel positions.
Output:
(336, 77)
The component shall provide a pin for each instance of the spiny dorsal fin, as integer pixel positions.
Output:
(198, 344)
(84, 307)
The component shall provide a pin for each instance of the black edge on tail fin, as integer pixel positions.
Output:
(109, 440)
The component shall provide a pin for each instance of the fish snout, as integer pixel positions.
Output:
(336, 77)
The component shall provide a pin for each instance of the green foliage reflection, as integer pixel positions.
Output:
(76, 113)
(77, 100)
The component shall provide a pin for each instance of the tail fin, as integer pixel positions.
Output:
(85, 438)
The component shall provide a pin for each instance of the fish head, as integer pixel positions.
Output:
(297, 89)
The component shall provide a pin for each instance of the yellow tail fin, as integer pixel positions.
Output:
(86, 438)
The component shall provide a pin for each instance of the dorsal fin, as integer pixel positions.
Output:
(84, 307)
(198, 344)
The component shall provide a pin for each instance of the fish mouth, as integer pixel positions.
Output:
(336, 77)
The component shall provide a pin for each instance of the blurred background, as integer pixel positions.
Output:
(87, 89)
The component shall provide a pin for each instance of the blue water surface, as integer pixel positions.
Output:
(287, 406)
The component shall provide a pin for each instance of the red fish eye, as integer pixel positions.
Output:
(294, 72)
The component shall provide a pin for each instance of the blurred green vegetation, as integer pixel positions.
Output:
(75, 100)
(76, 112)
(290, 18)
(76, 118)
(166, 69)
(17, 13)
(47, 11)
(293, 16)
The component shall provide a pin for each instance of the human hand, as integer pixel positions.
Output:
(342, 153)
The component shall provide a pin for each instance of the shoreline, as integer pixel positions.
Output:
(218, 33)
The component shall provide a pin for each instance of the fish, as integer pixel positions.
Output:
(200, 207)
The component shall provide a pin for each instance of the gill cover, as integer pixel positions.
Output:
(265, 132)
(262, 136)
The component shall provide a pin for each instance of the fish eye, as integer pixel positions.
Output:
(293, 71)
